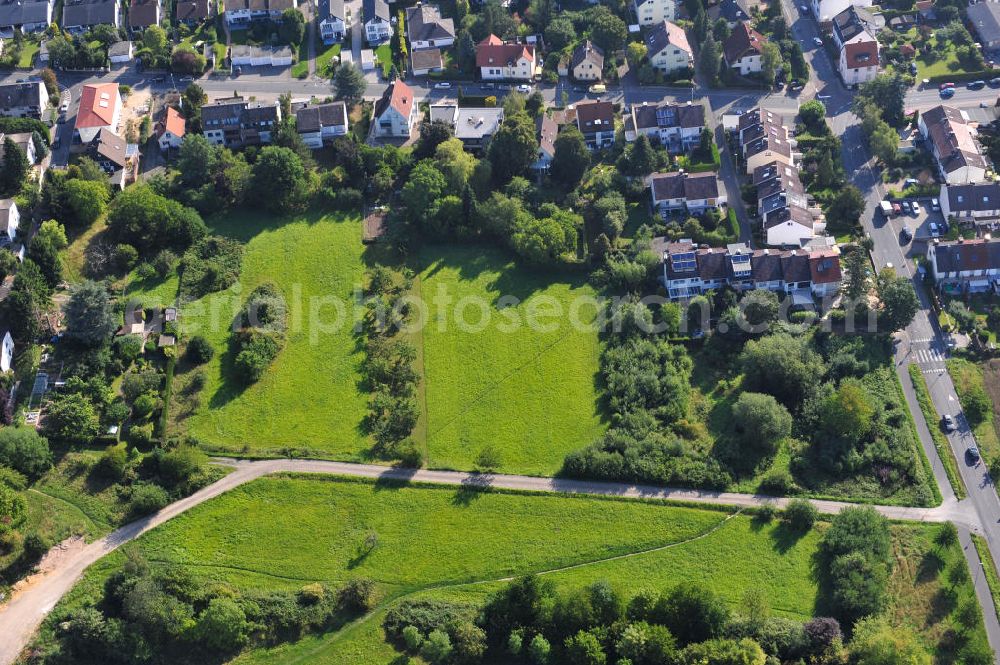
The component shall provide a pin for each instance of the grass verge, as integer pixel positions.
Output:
(940, 441)
(968, 377)
(989, 569)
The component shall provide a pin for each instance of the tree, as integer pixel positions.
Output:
(760, 307)
(858, 269)
(826, 176)
(560, 33)
(846, 208)
(223, 626)
(293, 27)
(71, 419)
(155, 39)
(279, 181)
(15, 167)
(884, 142)
(541, 241)
(45, 248)
(84, 201)
(800, 515)
(513, 148)
(535, 104)
(781, 365)
(13, 509)
(349, 82)
(761, 423)
(436, 648)
(976, 404)
(148, 221)
(898, 300)
(770, 59)
(196, 160)
(888, 91)
(640, 158)
(186, 60)
(90, 319)
(585, 649)
(24, 450)
(466, 50)
(848, 412)
(708, 59)
(813, 114)
(432, 134)
(636, 52)
(725, 652)
(691, 612)
(571, 159)
(51, 83)
(422, 190)
(608, 31)
(8, 264)
(29, 297)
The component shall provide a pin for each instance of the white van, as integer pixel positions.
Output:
(886, 208)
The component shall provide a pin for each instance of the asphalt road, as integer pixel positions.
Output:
(20, 618)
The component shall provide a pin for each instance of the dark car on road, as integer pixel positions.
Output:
(995, 82)
(976, 85)
(905, 236)
(948, 422)
(947, 93)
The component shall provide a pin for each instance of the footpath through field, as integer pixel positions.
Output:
(24, 613)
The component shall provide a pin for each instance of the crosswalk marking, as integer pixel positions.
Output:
(928, 356)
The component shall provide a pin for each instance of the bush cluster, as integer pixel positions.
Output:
(260, 332)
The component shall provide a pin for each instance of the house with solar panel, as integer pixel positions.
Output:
(100, 108)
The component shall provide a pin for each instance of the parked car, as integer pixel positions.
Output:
(947, 93)
(795, 84)
(976, 85)
(896, 208)
(186, 79)
(913, 68)
(598, 89)
(905, 235)
(914, 208)
(945, 86)
(237, 70)
(817, 41)
(935, 205)
(442, 85)
(159, 79)
(934, 230)
(948, 422)
(64, 107)
(56, 143)
(524, 87)
(489, 86)
(994, 82)
(973, 453)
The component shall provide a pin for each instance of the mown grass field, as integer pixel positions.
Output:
(309, 398)
(529, 391)
(968, 376)
(458, 543)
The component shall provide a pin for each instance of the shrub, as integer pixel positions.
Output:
(114, 461)
(181, 465)
(777, 481)
(24, 450)
(145, 405)
(125, 256)
(212, 264)
(141, 435)
(800, 515)
(200, 350)
(147, 498)
(164, 262)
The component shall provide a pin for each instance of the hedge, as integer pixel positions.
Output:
(984, 74)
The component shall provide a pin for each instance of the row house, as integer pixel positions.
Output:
(651, 12)
(677, 127)
(82, 15)
(426, 28)
(668, 49)
(596, 121)
(28, 15)
(332, 21)
(783, 207)
(693, 193)
(970, 266)
(763, 139)
(235, 122)
(192, 12)
(854, 34)
(825, 10)
(952, 138)
(977, 202)
(23, 100)
(144, 13)
(690, 270)
(260, 56)
(240, 13)
(395, 113)
(743, 50)
(499, 60)
(321, 123)
(377, 23)
(474, 127)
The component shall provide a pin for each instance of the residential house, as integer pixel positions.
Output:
(261, 56)
(978, 202)
(985, 20)
(743, 49)
(587, 62)
(677, 127)
(425, 28)
(240, 13)
(596, 121)
(854, 34)
(120, 53)
(970, 266)
(25, 142)
(7, 352)
(926, 10)
(235, 122)
(395, 113)
(763, 138)
(81, 15)
(100, 108)
(548, 130)
(10, 220)
(473, 126)
(825, 10)
(28, 15)
(792, 226)
(499, 60)
(667, 48)
(191, 12)
(275, 8)
(693, 193)
(733, 12)
(425, 61)
(652, 12)
(690, 270)
(144, 13)
(171, 130)
(321, 123)
(952, 138)
(378, 27)
(108, 150)
(332, 21)
(23, 100)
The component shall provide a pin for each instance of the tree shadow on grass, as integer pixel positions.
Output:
(930, 567)
(784, 538)
(472, 488)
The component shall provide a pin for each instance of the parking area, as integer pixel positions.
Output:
(916, 223)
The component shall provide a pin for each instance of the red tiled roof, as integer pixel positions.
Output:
(174, 122)
(399, 96)
(493, 52)
(743, 41)
(824, 267)
(862, 54)
(97, 105)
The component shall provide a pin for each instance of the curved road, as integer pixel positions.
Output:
(21, 617)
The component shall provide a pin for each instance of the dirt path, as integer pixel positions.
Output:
(20, 618)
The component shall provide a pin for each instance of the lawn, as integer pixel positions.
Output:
(530, 393)
(459, 543)
(301, 68)
(384, 55)
(309, 399)
(325, 58)
(74, 257)
(28, 51)
(969, 376)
